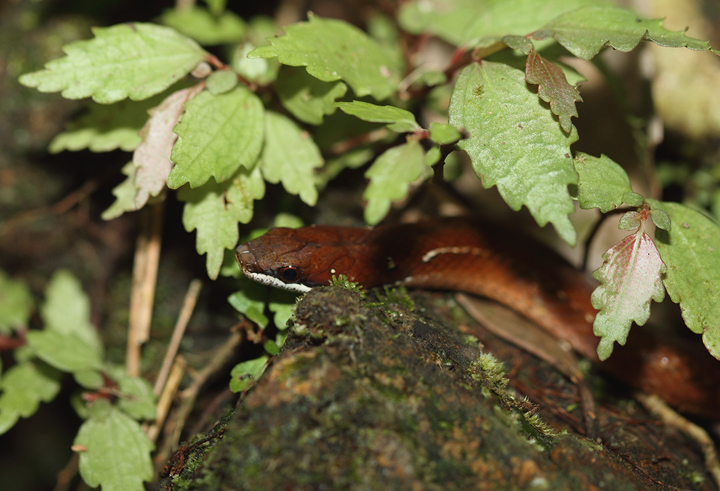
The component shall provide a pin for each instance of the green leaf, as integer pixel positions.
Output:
(136, 394)
(246, 302)
(152, 157)
(586, 31)
(390, 177)
(117, 455)
(306, 97)
(290, 156)
(335, 50)
(630, 277)
(661, 219)
(553, 88)
(244, 374)
(601, 182)
(221, 81)
(398, 120)
(204, 27)
(133, 60)
(690, 251)
(16, 304)
(481, 22)
(24, 387)
(519, 43)
(105, 128)
(282, 304)
(218, 134)
(515, 143)
(444, 134)
(124, 193)
(214, 210)
(66, 352)
(258, 70)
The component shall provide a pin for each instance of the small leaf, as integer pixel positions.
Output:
(124, 193)
(282, 304)
(390, 177)
(586, 31)
(633, 199)
(133, 60)
(335, 50)
(136, 394)
(306, 97)
(290, 156)
(690, 250)
(66, 352)
(444, 134)
(553, 88)
(601, 183)
(16, 304)
(217, 135)
(398, 120)
(117, 455)
(629, 278)
(249, 306)
(246, 373)
(661, 219)
(214, 210)
(519, 43)
(24, 387)
(630, 221)
(515, 143)
(152, 157)
(221, 81)
(204, 27)
(258, 70)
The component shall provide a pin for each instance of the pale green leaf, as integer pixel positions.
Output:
(24, 387)
(282, 304)
(217, 135)
(691, 251)
(16, 304)
(290, 156)
(258, 70)
(335, 50)
(135, 394)
(398, 120)
(152, 157)
(105, 127)
(515, 143)
(306, 97)
(246, 373)
(481, 22)
(221, 81)
(586, 31)
(246, 302)
(205, 27)
(630, 277)
(444, 134)
(133, 60)
(64, 351)
(390, 177)
(116, 452)
(601, 182)
(214, 210)
(124, 193)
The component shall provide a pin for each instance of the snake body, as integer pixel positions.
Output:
(470, 255)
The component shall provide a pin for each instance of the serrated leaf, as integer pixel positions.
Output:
(205, 27)
(631, 276)
(105, 127)
(152, 157)
(124, 193)
(16, 304)
(335, 50)
(601, 182)
(24, 387)
(444, 134)
(246, 373)
(586, 31)
(481, 22)
(218, 134)
(690, 251)
(290, 156)
(515, 143)
(221, 81)
(553, 88)
(306, 97)
(398, 120)
(135, 394)
(66, 352)
(214, 210)
(390, 177)
(133, 60)
(117, 455)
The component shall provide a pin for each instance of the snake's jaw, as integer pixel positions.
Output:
(250, 268)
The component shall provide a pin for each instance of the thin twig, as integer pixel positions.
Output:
(165, 400)
(185, 312)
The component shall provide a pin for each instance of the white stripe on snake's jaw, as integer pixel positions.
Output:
(272, 281)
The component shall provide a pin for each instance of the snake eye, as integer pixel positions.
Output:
(289, 274)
